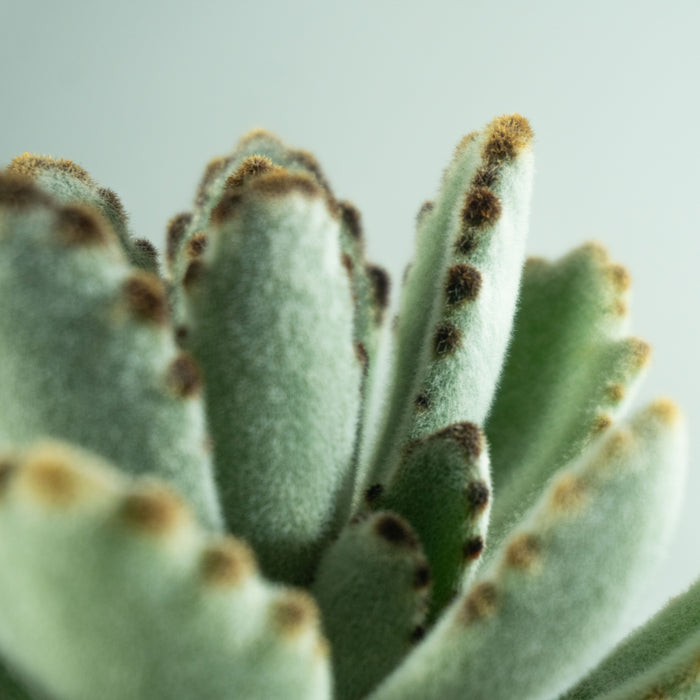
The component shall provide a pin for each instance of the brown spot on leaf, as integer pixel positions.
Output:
(463, 284)
(196, 245)
(18, 192)
(193, 274)
(352, 222)
(293, 612)
(480, 604)
(308, 161)
(615, 392)
(620, 277)
(347, 263)
(51, 478)
(373, 494)
(145, 297)
(481, 208)
(227, 563)
(524, 552)
(8, 466)
(379, 279)
(467, 242)
(446, 340)
(477, 495)
(468, 436)
(422, 401)
(473, 548)
(184, 377)
(78, 225)
(152, 509)
(395, 530)
(421, 577)
(569, 494)
(227, 207)
(282, 184)
(600, 423)
(361, 355)
(485, 176)
(417, 634)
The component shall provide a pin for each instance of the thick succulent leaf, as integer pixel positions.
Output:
(661, 657)
(554, 596)
(110, 590)
(87, 349)
(283, 378)
(570, 372)
(372, 587)
(69, 184)
(459, 298)
(443, 488)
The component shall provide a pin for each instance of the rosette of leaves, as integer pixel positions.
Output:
(206, 490)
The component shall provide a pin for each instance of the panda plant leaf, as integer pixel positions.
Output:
(207, 491)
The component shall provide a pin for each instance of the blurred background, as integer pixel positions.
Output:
(143, 93)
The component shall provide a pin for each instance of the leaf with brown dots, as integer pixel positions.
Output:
(559, 588)
(373, 587)
(442, 487)
(459, 298)
(570, 372)
(150, 605)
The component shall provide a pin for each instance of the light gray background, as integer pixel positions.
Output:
(142, 94)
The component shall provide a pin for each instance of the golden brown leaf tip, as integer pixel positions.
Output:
(175, 233)
(146, 297)
(251, 167)
(463, 284)
(196, 245)
(473, 548)
(31, 165)
(184, 377)
(146, 250)
(640, 352)
(152, 509)
(351, 218)
(294, 612)
(620, 277)
(524, 552)
(446, 340)
(467, 435)
(18, 192)
(395, 530)
(381, 285)
(477, 495)
(481, 207)
(421, 576)
(569, 494)
(78, 225)
(666, 411)
(424, 210)
(111, 199)
(480, 604)
(506, 137)
(51, 478)
(227, 563)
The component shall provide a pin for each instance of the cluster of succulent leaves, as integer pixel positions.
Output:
(206, 490)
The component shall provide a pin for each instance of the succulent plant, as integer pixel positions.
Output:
(207, 491)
